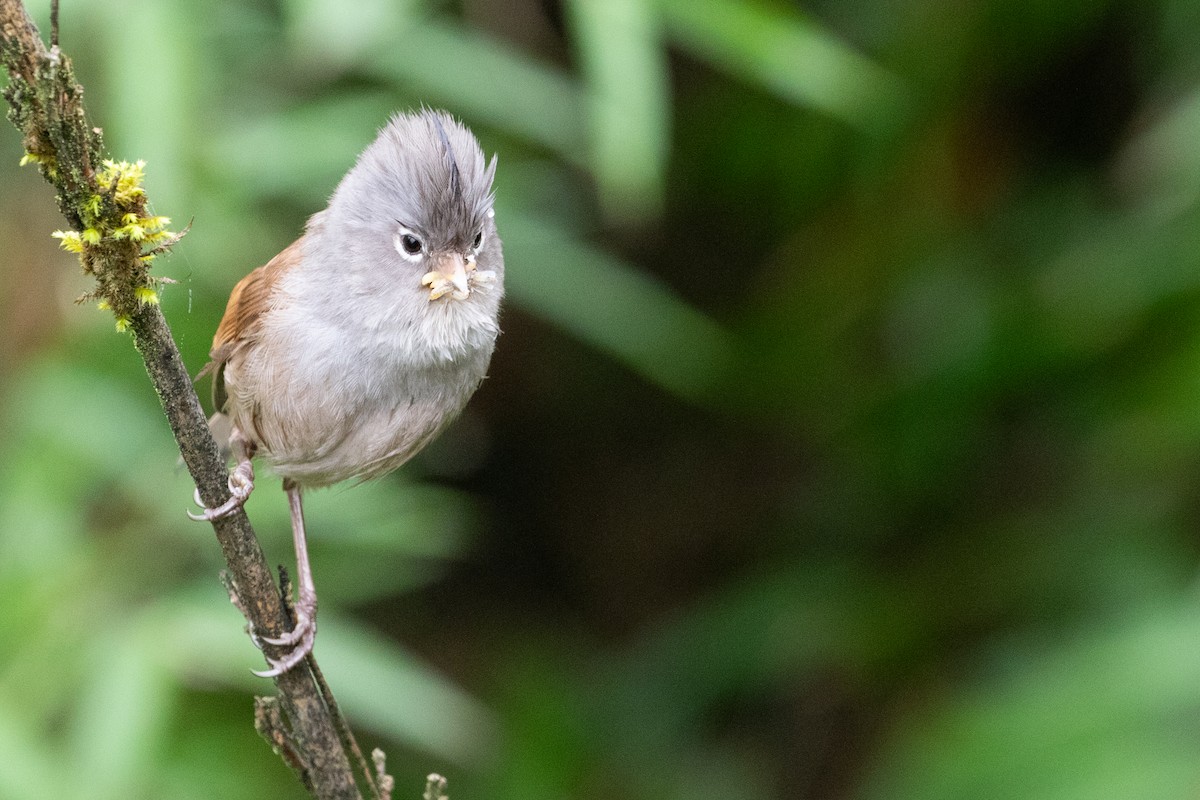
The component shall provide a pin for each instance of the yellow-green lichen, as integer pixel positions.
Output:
(118, 230)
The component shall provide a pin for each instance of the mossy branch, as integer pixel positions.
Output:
(116, 237)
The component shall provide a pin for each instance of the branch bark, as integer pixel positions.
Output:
(46, 104)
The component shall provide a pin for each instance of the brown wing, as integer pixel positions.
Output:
(247, 303)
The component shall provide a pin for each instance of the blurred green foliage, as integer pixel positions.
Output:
(843, 440)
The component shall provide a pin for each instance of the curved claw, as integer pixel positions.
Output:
(224, 510)
(305, 627)
(241, 484)
(306, 634)
(300, 638)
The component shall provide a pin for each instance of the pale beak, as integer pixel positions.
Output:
(458, 277)
(450, 278)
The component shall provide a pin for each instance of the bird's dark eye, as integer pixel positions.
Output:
(411, 244)
(478, 241)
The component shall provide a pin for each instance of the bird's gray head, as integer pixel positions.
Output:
(420, 196)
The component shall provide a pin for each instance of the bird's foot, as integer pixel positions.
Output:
(241, 484)
(299, 639)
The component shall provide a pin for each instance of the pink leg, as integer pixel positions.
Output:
(301, 637)
(241, 482)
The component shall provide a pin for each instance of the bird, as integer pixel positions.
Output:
(353, 348)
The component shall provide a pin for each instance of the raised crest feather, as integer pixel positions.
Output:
(455, 179)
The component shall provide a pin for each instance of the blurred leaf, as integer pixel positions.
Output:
(1106, 715)
(165, 64)
(789, 56)
(28, 767)
(121, 717)
(297, 153)
(390, 691)
(1160, 165)
(480, 77)
(202, 637)
(626, 77)
(324, 29)
(1115, 275)
(378, 684)
(369, 541)
(614, 307)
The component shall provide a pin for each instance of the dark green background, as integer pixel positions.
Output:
(843, 440)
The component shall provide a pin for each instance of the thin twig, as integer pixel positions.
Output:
(349, 742)
(46, 104)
